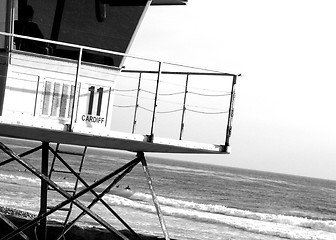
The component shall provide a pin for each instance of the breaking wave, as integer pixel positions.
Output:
(263, 223)
(267, 224)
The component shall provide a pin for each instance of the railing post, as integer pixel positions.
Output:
(155, 103)
(136, 104)
(230, 115)
(74, 102)
(184, 107)
(10, 20)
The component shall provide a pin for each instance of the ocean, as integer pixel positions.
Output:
(198, 201)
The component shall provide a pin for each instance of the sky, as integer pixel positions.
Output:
(285, 111)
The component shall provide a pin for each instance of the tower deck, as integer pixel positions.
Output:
(109, 140)
(150, 106)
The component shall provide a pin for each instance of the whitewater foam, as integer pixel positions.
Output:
(271, 224)
(18, 178)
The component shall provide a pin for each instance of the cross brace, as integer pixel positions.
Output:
(45, 182)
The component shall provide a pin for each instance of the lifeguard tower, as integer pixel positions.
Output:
(66, 78)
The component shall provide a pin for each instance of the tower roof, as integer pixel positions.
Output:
(169, 2)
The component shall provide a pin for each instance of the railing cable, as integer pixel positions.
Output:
(171, 111)
(202, 112)
(125, 90)
(123, 106)
(170, 94)
(149, 110)
(210, 95)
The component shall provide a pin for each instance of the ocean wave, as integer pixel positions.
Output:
(247, 220)
(33, 181)
(28, 205)
(268, 224)
(68, 185)
(142, 200)
(202, 172)
(178, 169)
(19, 179)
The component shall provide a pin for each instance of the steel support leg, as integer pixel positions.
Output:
(9, 223)
(64, 193)
(155, 200)
(45, 181)
(98, 197)
(42, 231)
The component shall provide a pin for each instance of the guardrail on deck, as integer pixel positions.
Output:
(191, 90)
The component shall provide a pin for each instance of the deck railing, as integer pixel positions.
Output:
(147, 91)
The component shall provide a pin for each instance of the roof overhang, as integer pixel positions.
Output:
(169, 2)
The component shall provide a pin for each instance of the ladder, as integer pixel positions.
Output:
(59, 172)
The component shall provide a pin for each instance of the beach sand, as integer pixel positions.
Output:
(19, 218)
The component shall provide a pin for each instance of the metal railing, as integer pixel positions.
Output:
(155, 71)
